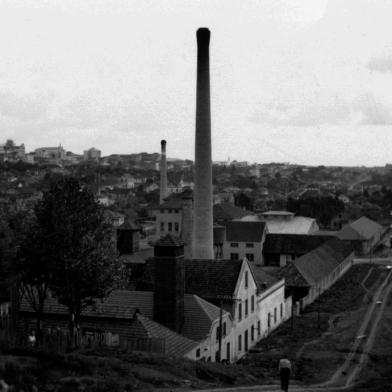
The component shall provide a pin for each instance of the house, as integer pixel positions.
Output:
(226, 212)
(311, 274)
(231, 285)
(281, 249)
(92, 154)
(363, 234)
(244, 239)
(50, 153)
(285, 222)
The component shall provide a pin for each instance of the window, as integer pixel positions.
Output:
(239, 342)
(269, 319)
(258, 328)
(246, 308)
(275, 315)
(233, 256)
(176, 226)
(252, 304)
(169, 211)
(217, 333)
(162, 226)
(198, 353)
(170, 224)
(281, 311)
(246, 279)
(234, 244)
(224, 329)
(240, 311)
(250, 256)
(249, 245)
(176, 211)
(252, 333)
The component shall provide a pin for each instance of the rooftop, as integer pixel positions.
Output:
(245, 231)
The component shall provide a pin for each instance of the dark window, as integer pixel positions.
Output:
(246, 308)
(239, 342)
(217, 333)
(176, 226)
(252, 304)
(249, 245)
(198, 353)
(281, 311)
(246, 279)
(170, 224)
(269, 319)
(239, 311)
(252, 333)
(275, 315)
(250, 256)
(233, 256)
(169, 211)
(224, 329)
(176, 211)
(234, 244)
(162, 226)
(258, 328)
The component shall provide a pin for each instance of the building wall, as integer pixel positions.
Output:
(242, 326)
(242, 250)
(271, 302)
(166, 216)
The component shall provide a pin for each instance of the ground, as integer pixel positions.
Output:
(347, 347)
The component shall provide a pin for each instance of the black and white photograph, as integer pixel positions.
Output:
(195, 195)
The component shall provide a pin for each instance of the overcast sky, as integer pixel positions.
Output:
(307, 81)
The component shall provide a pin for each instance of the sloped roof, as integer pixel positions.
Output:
(169, 240)
(292, 243)
(119, 304)
(245, 231)
(199, 315)
(296, 225)
(174, 200)
(212, 279)
(175, 344)
(312, 267)
(349, 234)
(263, 280)
(228, 211)
(366, 227)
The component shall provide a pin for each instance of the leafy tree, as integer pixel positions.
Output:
(79, 244)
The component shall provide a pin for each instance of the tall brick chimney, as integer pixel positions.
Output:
(169, 286)
(163, 167)
(202, 227)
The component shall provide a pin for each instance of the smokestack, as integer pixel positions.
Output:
(202, 228)
(163, 184)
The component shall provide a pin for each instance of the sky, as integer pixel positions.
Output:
(299, 81)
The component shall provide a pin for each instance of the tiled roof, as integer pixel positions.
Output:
(292, 243)
(227, 212)
(314, 266)
(169, 240)
(212, 279)
(296, 225)
(175, 344)
(365, 227)
(119, 304)
(199, 315)
(241, 231)
(263, 280)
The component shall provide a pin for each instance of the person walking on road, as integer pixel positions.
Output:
(284, 372)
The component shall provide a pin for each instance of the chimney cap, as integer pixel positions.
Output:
(203, 35)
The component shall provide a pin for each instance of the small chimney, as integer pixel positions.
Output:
(169, 290)
(163, 183)
(202, 224)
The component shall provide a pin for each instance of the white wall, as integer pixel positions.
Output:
(166, 217)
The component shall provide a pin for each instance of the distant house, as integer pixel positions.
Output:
(50, 153)
(226, 212)
(363, 234)
(92, 154)
(279, 222)
(310, 275)
(281, 249)
(244, 239)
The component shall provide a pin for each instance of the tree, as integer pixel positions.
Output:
(79, 245)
